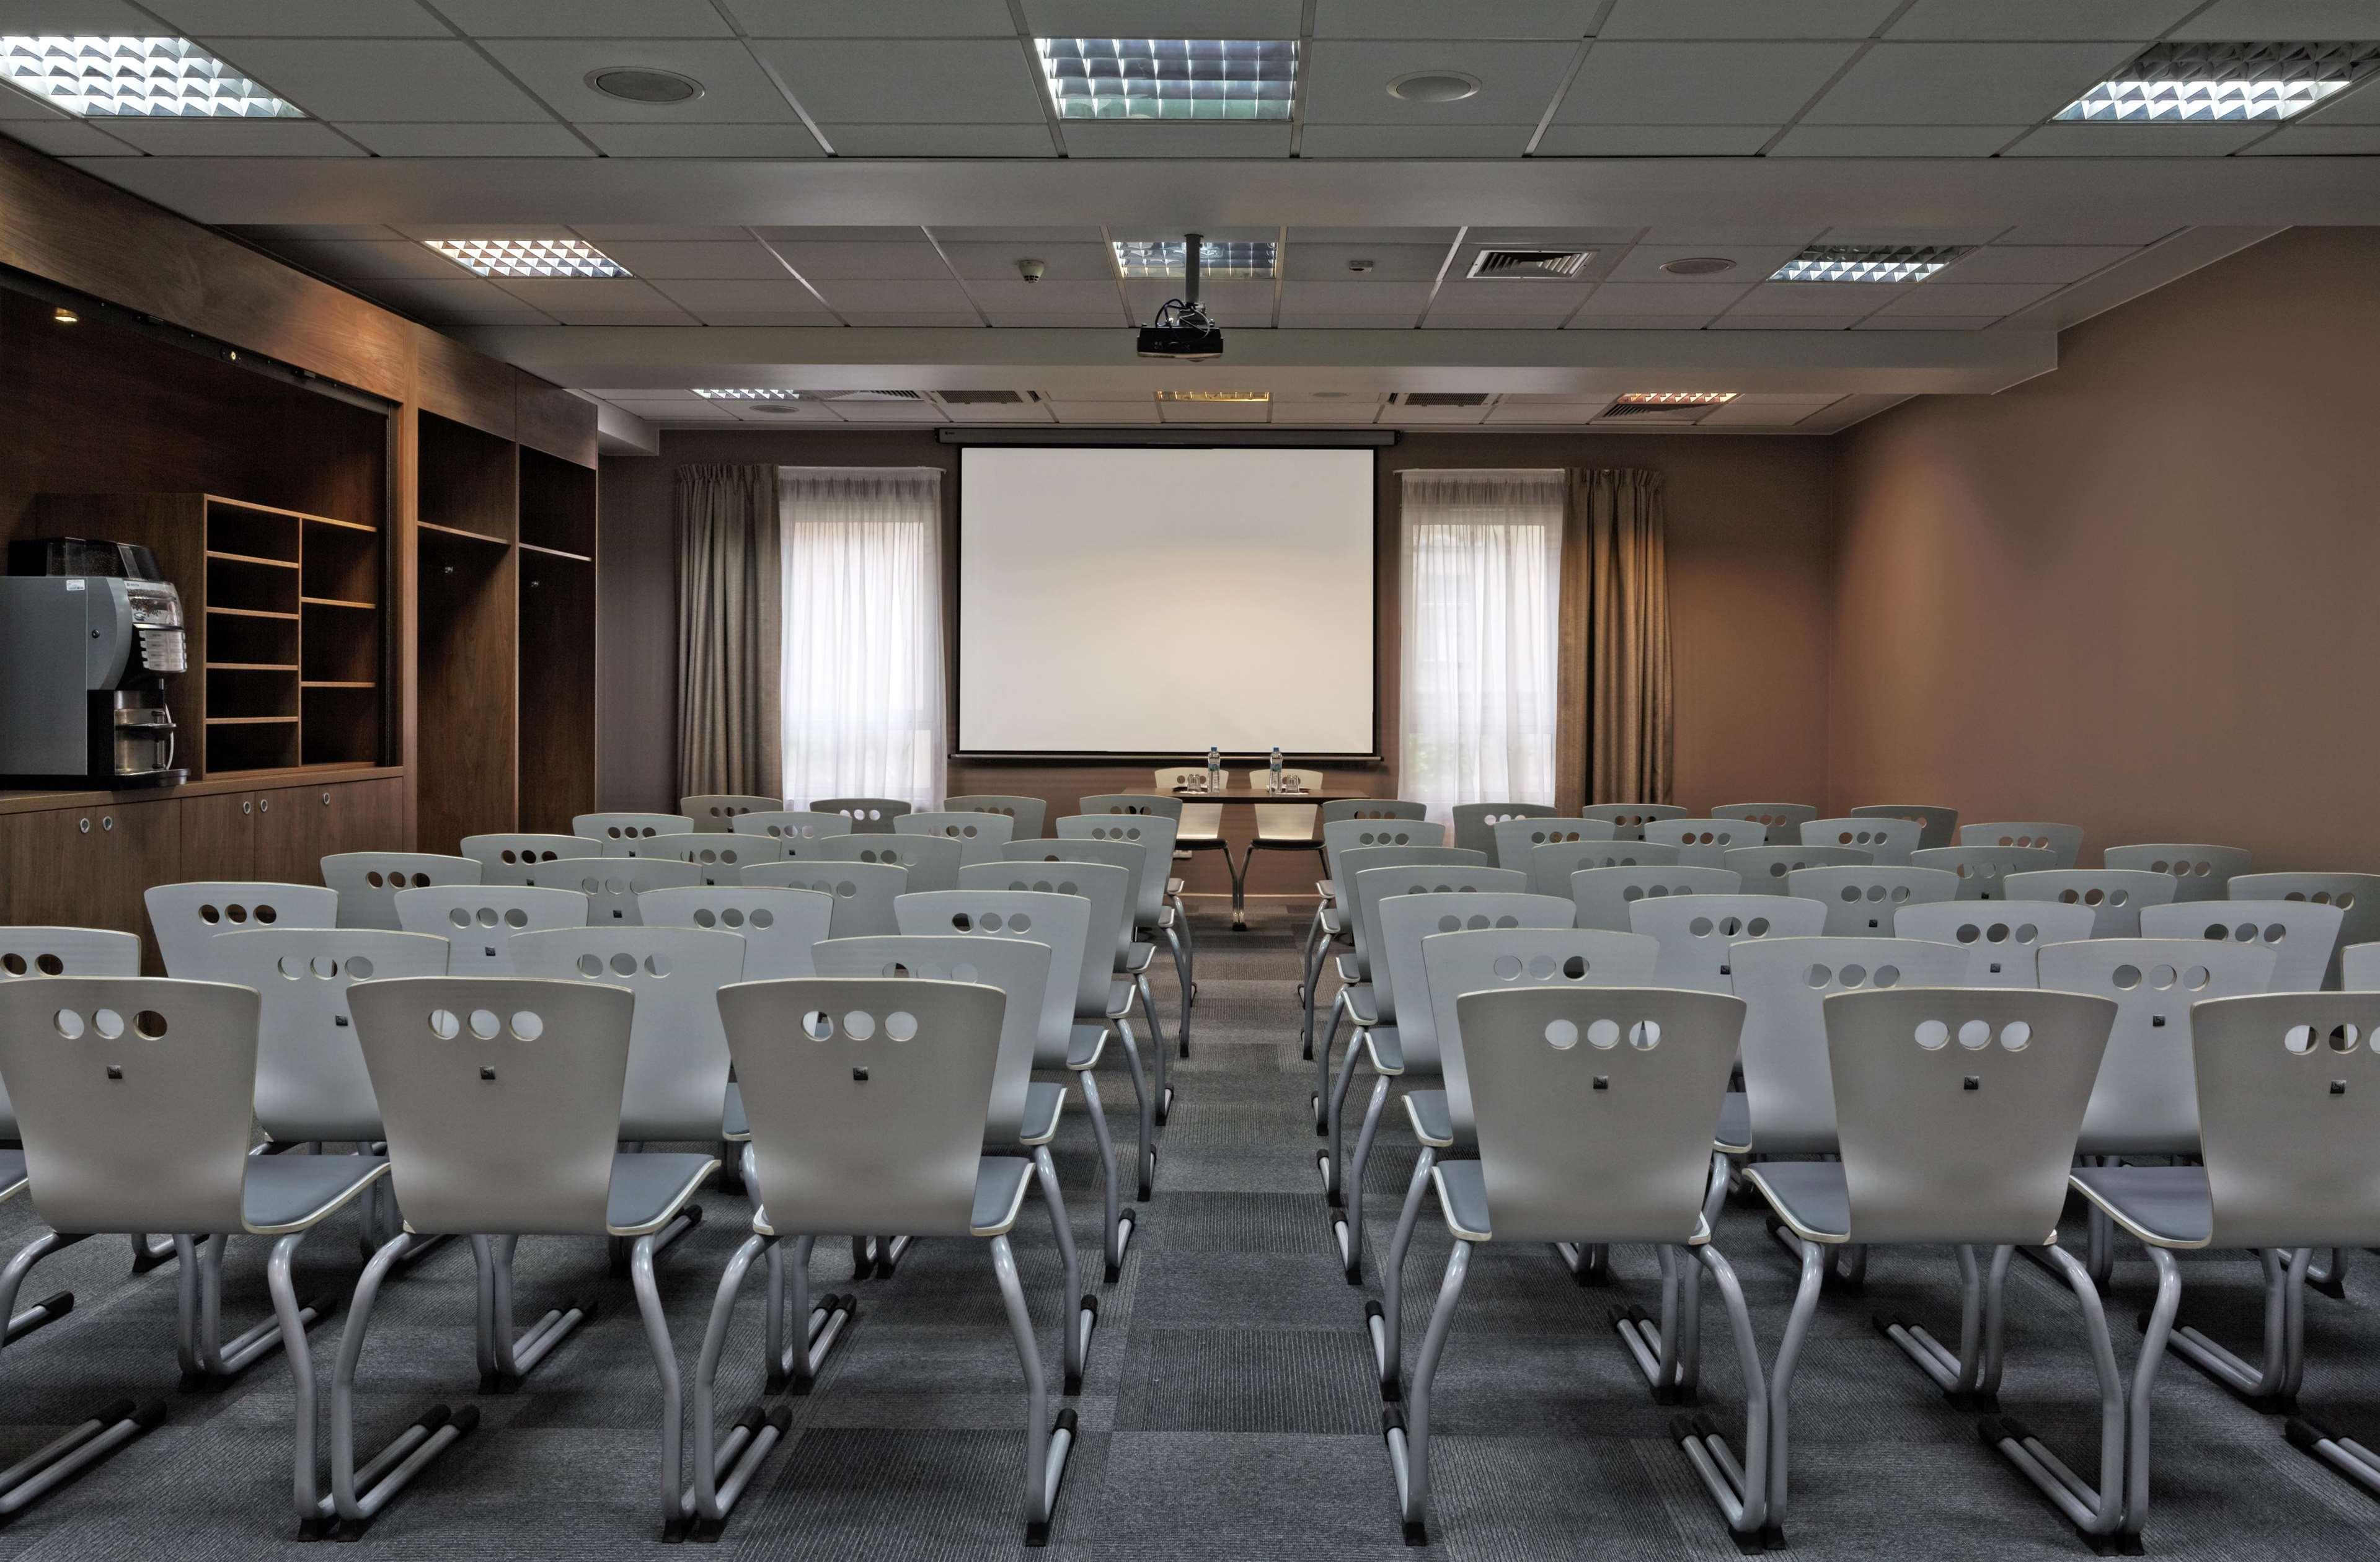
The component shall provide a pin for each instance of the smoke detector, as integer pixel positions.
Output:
(1698, 265)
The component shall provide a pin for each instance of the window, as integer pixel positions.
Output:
(1482, 582)
(863, 634)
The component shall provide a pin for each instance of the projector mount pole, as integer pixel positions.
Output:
(1192, 244)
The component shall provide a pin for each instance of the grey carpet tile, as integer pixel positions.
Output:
(1248, 1380)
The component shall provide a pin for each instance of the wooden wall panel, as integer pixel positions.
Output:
(550, 419)
(452, 380)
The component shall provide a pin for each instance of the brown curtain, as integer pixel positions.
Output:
(1616, 632)
(730, 632)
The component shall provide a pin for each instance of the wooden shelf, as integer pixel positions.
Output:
(250, 667)
(251, 558)
(250, 720)
(556, 553)
(331, 521)
(460, 533)
(336, 684)
(339, 602)
(252, 613)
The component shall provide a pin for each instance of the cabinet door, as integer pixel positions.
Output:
(366, 815)
(294, 833)
(218, 836)
(88, 867)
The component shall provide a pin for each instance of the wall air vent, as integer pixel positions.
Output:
(1529, 265)
(1445, 398)
(984, 398)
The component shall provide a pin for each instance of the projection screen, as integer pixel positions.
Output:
(1158, 602)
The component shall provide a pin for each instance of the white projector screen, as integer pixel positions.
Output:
(1158, 602)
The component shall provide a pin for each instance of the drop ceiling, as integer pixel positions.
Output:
(847, 202)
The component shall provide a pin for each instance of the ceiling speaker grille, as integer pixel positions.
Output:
(1529, 265)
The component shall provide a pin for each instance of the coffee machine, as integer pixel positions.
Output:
(88, 633)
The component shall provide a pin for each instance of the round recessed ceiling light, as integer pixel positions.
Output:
(1434, 87)
(1699, 265)
(774, 408)
(643, 84)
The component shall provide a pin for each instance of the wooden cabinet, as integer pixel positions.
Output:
(280, 835)
(88, 867)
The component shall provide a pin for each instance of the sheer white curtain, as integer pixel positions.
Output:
(863, 633)
(1482, 593)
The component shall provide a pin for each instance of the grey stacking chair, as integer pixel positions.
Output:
(502, 1097)
(2009, 935)
(1888, 842)
(1514, 839)
(795, 831)
(1427, 901)
(1595, 1112)
(716, 812)
(864, 892)
(2200, 872)
(1549, 867)
(721, 855)
(1102, 998)
(1430, 1038)
(867, 1114)
(980, 836)
(1603, 895)
(510, 858)
(1705, 842)
(479, 920)
(1763, 869)
(932, 861)
(777, 925)
(2359, 967)
(1783, 820)
(1164, 804)
(1698, 934)
(1345, 808)
(2357, 896)
(1028, 812)
(366, 882)
(2300, 934)
(1353, 968)
(611, 828)
(1983, 871)
(186, 918)
(2064, 840)
(1957, 1112)
(1628, 819)
(869, 816)
(1937, 826)
(1863, 901)
(1157, 906)
(612, 884)
(1131, 958)
(134, 1097)
(1475, 823)
(1290, 827)
(1334, 922)
(2115, 896)
(1061, 923)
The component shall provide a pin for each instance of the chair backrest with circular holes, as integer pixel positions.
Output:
(1764, 869)
(2300, 934)
(1018, 967)
(1348, 835)
(717, 812)
(368, 882)
(1603, 895)
(1060, 920)
(2064, 840)
(1153, 834)
(932, 861)
(186, 918)
(2116, 896)
(1549, 867)
(1628, 819)
(1356, 861)
(1513, 839)
(310, 1082)
(1374, 885)
(1346, 809)
(2007, 934)
(2289, 1123)
(1475, 823)
(777, 925)
(2357, 896)
(1784, 820)
(863, 892)
(2144, 1103)
(508, 859)
(1405, 921)
(615, 829)
(677, 1057)
(1028, 812)
(795, 831)
(721, 855)
(869, 816)
(1495, 959)
(2200, 872)
(1705, 842)
(1698, 933)
(867, 1098)
(478, 921)
(1983, 871)
(1104, 889)
(1784, 984)
(1937, 826)
(1862, 901)
(1887, 841)
(501, 1095)
(1957, 1108)
(1163, 804)
(980, 835)
(612, 884)
(1596, 1107)
(62, 952)
(1128, 856)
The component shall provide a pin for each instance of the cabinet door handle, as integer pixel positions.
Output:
(247, 805)
(326, 800)
(264, 805)
(107, 822)
(83, 825)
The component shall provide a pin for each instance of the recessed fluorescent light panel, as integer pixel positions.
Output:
(1861, 262)
(1150, 259)
(118, 77)
(528, 257)
(1193, 78)
(749, 395)
(1677, 398)
(2223, 83)
(1259, 396)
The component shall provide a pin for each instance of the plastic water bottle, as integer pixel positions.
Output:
(1214, 768)
(1276, 766)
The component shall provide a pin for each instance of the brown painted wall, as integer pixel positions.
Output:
(2137, 594)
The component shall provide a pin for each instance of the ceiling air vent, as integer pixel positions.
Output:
(1446, 398)
(1639, 408)
(983, 398)
(1529, 265)
(870, 395)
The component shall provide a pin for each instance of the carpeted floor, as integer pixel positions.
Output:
(1230, 1411)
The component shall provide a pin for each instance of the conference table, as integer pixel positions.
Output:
(1245, 795)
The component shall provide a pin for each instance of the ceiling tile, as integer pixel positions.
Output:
(888, 412)
(904, 232)
(1896, 140)
(2137, 140)
(580, 301)
(1390, 263)
(734, 89)
(1927, 322)
(1601, 239)
(2041, 20)
(1324, 415)
(1405, 416)
(2298, 141)
(1242, 304)
(234, 138)
(1766, 415)
(873, 18)
(423, 230)
(905, 80)
(1024, 412)
(790, 138)
(2358, 105)
(1477, 18)
(1965, 83)
(1556, 298)
(1857, 299)
(1348, 82)
(1097, 411)
(385, 80)
(1699, 83)
(2229, 21)
(673, 411)
(1439, 236)
(1882, 236)
(1213, 412)
(939, 141)
(2106, 229)
(373, 260)
(67, 138)
(273, 19)
(781, 295)
(2055, 264)
(1164, 18)
(870, 260)
(1006, 301)
(1669, 297)
(1752, 263)
(1062, 263)
(449, 140)
(587, 19)
(1296, 318)
(744, 259)
(1005, 237)
(1784, 322)
(1654, 141)
(659, 232)
(1699, 238)
(271, 234)
(463, 300)
(1352, 297)
(1416, 140)
(1116, 137)
(853, 297)
(1746, 18)
(1028, 320)
(1952, 298)
(1587, 320)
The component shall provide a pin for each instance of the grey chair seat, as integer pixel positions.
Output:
(1735, 1122)
(648, 1189)
(1810, 1196)
(12, 1173)
(1350, 971)
(1083, 1044)
(286, 1194)
(1387, 1052)
(1326, 888)
(1042, 1104)
(1432, 1117)
(1462, 1195)
(1000, 1186)
(1119, 990)
(732, 1124)
(2164, 1206)
(1361, 1003)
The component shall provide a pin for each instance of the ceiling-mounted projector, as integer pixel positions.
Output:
(1182, 330)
